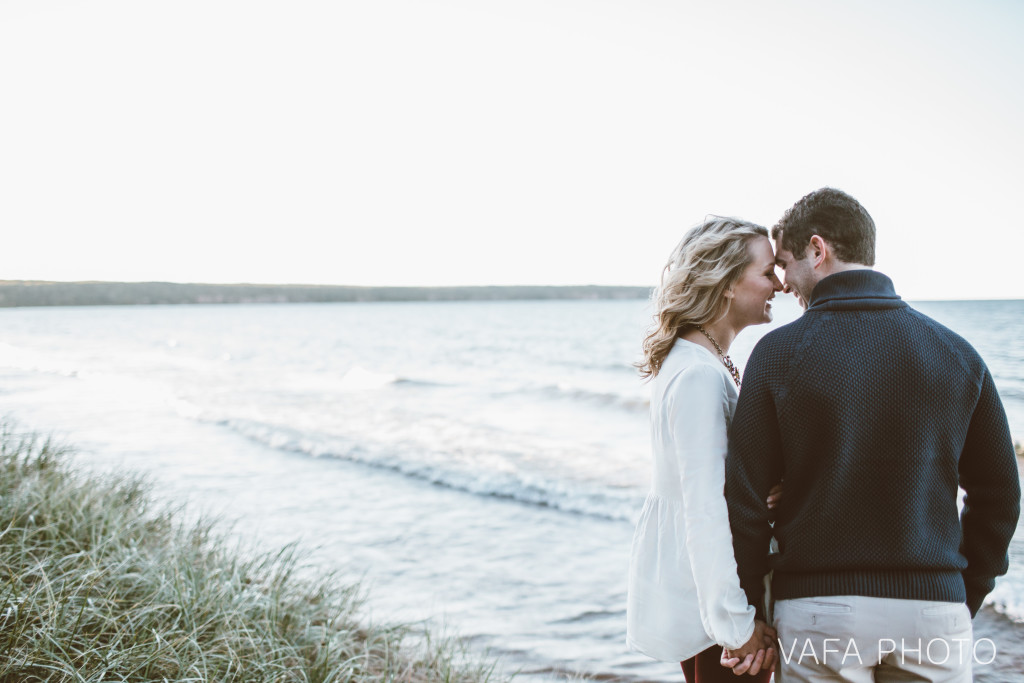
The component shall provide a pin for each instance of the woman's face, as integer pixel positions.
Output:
(753, 292)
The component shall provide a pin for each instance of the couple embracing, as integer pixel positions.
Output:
(870, 415)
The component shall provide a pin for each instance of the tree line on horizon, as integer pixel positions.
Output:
(15, 293)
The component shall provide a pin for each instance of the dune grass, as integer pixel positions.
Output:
(99, 583)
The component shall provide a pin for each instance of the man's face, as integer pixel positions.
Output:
(797, 276)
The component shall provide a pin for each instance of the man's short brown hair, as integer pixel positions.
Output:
(837, 218)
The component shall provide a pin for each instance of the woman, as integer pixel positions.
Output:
(685, 600)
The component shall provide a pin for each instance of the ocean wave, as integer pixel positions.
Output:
(360, 379)
(1011, 393)
(26, 360)
(592, 615)
(615, 367)
(522, 487)
(409, 382)
(563, 390)
(1008, 599)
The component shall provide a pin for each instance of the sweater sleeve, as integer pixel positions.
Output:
(697, 415)
(753, 466)
(988, 475)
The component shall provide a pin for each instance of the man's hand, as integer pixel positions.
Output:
(757, 654)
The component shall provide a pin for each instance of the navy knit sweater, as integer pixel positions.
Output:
(873, 414)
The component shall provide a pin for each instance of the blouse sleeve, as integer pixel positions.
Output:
(697, 410)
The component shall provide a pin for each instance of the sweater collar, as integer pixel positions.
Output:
(855, 289)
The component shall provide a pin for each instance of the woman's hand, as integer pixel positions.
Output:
(757, 654)
(774, 496)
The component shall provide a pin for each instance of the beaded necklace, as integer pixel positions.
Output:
(725, 359)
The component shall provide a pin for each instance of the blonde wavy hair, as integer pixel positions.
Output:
(707, 261)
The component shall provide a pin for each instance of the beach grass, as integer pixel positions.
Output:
(100, 583)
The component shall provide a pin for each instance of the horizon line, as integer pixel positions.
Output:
(6, 283)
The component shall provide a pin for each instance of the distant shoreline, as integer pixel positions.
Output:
(22, 293)
(28, 293)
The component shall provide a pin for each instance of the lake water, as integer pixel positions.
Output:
(475, 463)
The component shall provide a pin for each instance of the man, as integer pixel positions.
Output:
(873, 414)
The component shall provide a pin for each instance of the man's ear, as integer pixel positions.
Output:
(817, 250)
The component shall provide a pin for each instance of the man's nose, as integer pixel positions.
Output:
(786, 288)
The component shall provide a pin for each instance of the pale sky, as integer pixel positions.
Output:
(466, 142)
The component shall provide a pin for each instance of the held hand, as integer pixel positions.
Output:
(770, 653)
(755, 655)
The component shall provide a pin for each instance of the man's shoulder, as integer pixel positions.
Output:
(782, 338)
(953, 339)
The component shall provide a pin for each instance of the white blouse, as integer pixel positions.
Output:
(684, 593)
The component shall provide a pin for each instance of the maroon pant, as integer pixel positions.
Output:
(705, 667)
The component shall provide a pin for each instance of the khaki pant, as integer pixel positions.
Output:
(873, 640)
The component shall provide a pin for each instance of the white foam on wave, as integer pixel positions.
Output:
(18, 358)
(1008, 599)
(187, 409)
(630, 402)
(436, 468)
(565, 390)
(361, 379)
